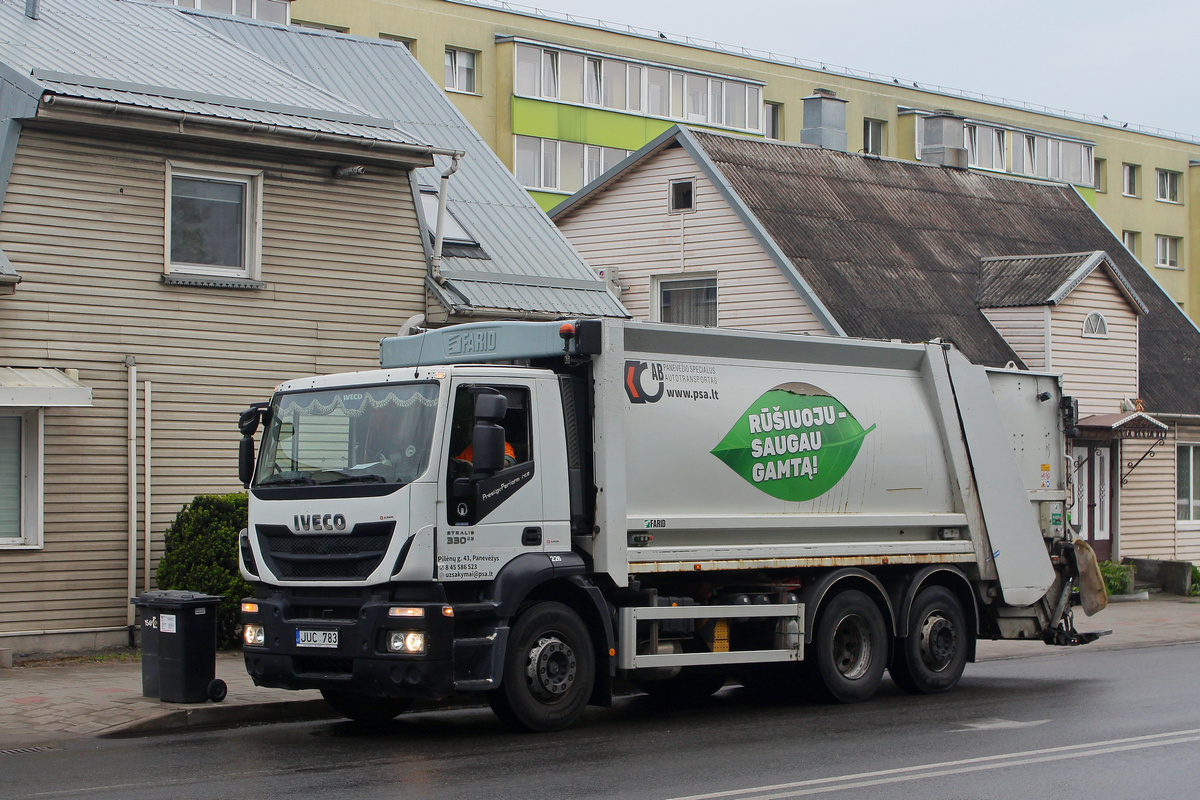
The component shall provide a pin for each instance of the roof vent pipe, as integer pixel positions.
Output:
(944, 140)
(33, 9)
(824, 120)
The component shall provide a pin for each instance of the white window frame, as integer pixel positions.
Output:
(999, 149)
(1163, 255)
(873, 135)
(659, 281)
(33, 466)
(252, 180)
(671, 209)
(453, 83)
(1129, 180)
(1098, 326)
(1099, 176)
(1192, 520)
(1132, 241)
(1166, 186)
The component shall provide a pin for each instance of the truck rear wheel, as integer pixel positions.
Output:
(549, 670)
(932, 657)
(365, 708)
(849, 647)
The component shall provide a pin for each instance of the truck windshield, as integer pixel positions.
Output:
(373, 434)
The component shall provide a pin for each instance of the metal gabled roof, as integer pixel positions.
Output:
(530, 267)
(153, 56)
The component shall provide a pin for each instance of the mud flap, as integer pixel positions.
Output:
(1093, 595)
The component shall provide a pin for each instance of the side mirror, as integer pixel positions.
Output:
(246, 460)
(248, 420)
(487, 439)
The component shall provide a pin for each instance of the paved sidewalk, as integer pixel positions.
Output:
(46, 705)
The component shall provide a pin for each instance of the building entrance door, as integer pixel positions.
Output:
(1091, 509)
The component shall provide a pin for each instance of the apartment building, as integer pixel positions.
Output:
(563, 100)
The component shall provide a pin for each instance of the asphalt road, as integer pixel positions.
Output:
(1100, 724)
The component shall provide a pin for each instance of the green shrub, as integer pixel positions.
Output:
(202, 556)
(1118, 578)
(1195, 589)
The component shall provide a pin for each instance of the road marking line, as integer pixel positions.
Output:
(966, 765)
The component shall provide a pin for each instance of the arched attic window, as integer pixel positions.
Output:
(1095, 326)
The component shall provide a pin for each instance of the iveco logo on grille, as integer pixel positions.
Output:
(319, 522)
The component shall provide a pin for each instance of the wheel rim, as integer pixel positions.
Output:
(939, 642)
(552, 668)
(852, 647)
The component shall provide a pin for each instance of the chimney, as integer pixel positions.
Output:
(33, 9)
(824, 120)
(944, 140)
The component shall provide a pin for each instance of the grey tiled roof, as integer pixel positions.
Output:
(892, 249)
(1044, 280)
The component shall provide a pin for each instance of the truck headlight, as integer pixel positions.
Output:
(254, 635)
(406, 642)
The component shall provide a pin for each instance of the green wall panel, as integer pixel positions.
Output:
(568, 123)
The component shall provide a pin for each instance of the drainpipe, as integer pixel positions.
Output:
(146, 493)
(131, 442)
(435, 264)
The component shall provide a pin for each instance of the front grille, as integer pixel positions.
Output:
(349, 555)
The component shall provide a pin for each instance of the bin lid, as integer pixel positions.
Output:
(175, 598)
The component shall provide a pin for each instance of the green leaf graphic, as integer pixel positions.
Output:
(794, 443)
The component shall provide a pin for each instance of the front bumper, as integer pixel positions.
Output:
(360, 662)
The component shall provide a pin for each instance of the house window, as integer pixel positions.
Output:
(1029, 154)
(1168, 186)
(1099, 175)
(268, 10)
(560, 166)
(1187, 482)
(773, 120)
(873, 137)
(683, 195)
(213, 221)
(409, 44)
(453, 231)
(1166, 251)
(688, 302)
(20, 478)
(1095, 326)
(1129, 180)
(460, 70)
(999, 149)
(1133, 242)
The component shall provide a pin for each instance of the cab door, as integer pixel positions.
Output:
(485, 523)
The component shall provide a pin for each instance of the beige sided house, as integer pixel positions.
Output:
(195, 208)
(717, 229)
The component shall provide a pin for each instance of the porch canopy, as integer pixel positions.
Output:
(1124, 425)
(40, 387)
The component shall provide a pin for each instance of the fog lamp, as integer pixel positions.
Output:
(406, 642)
(253, 635)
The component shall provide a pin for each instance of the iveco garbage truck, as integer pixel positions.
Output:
(534, 510)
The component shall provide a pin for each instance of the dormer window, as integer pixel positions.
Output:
(1095, 326)
(452, 230)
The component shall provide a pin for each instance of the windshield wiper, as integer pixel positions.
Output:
(287, 480)
(369, 477)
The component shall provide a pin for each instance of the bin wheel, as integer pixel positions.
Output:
(217, 690)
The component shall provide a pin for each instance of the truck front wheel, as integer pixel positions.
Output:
(931, 658)
(849, 647)
(549, 670)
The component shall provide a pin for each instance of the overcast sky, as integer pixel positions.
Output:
(1132, 60)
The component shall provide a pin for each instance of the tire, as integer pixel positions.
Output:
(217, 690)
(365, 708)
(549, 670)
(691, 685)
(932, 657)
(849, 649)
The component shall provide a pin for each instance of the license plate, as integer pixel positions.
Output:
(316, 638)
